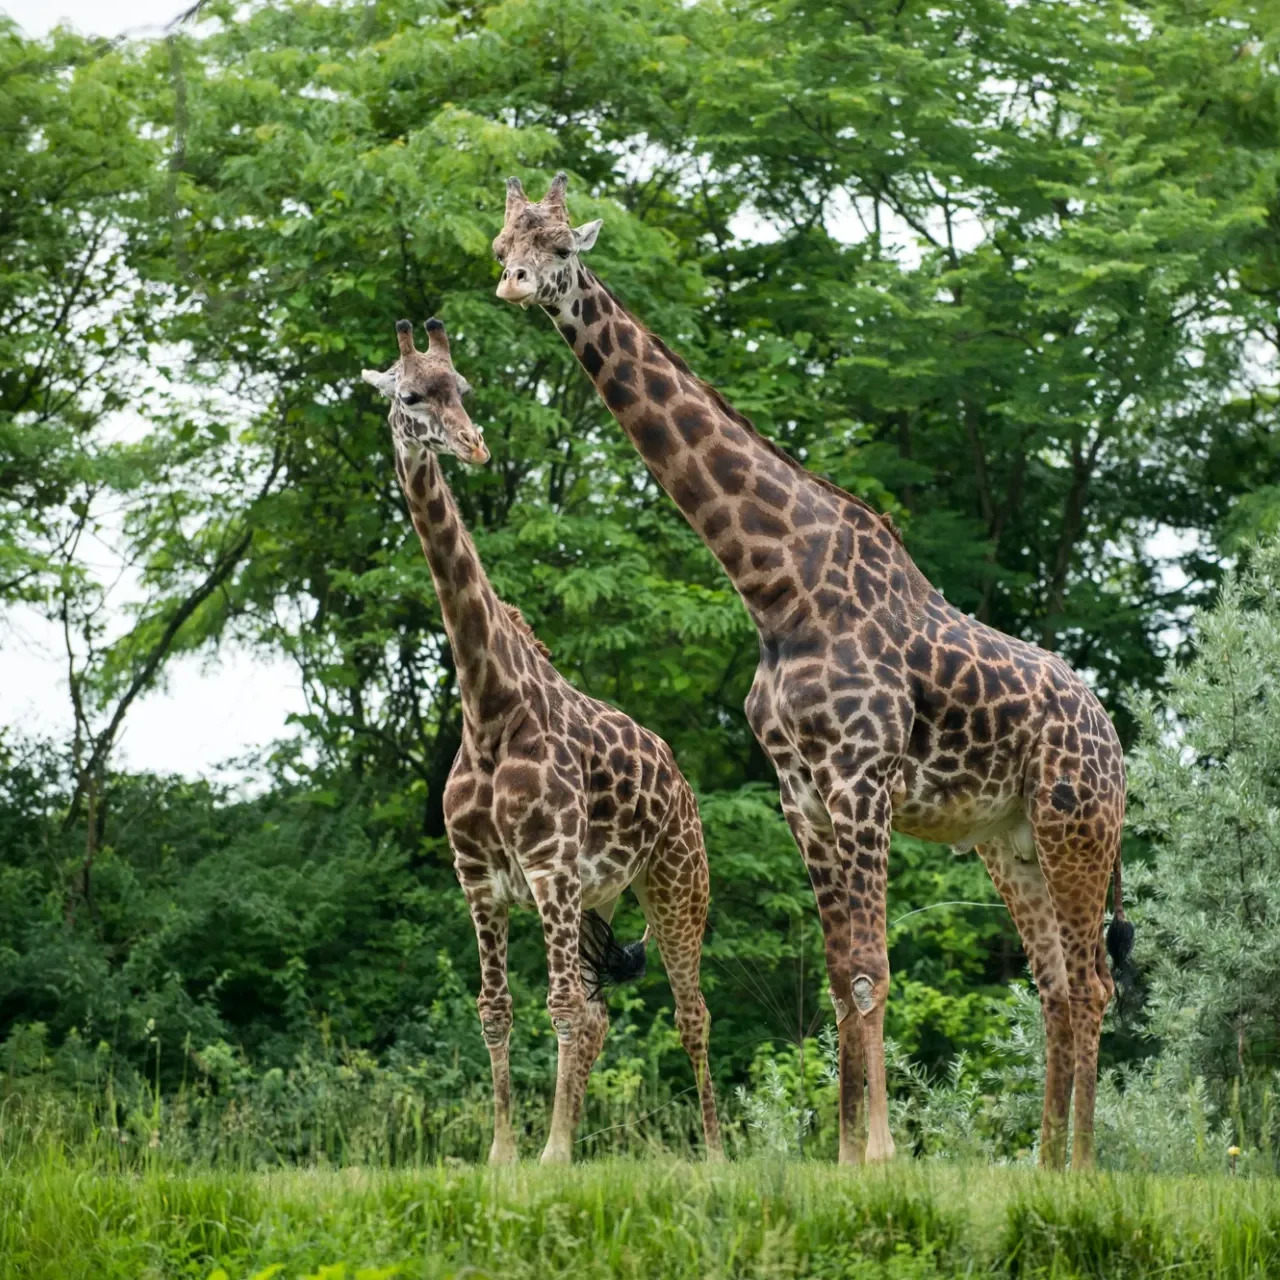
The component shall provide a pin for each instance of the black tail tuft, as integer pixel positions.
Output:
(1119, 943)
(1120, 949)
(605, 961)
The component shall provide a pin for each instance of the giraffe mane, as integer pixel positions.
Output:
(743, 421)
(517, 619)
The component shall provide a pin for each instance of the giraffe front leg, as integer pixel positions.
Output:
(558, 894)
(494, 1007)
(829, 875)
(860, 806)
(674, 893)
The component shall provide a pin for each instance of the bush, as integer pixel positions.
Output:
(1205, 789)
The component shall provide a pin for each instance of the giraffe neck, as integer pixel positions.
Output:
(763, 516)
(489, 649)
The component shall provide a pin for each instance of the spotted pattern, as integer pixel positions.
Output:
(557, 802)
(880, 705)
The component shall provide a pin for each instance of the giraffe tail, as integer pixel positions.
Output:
(606, 962)
(1120, 930)
(1120, 938)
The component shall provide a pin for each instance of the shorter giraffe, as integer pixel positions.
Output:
(555, 801)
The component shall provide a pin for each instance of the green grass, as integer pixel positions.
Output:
(656, 1220)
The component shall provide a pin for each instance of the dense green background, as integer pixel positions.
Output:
(1010, 272)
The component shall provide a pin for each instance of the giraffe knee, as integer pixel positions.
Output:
(1102, 991)
(1108, 987)
(1104, 971)
(495, 1019)
(694, 1026)
(1089, 1002)
(862, 993)
(568, 1010)
(866, 995)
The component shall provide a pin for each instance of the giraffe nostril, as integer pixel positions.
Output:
(521, 273)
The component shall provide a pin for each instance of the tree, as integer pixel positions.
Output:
(1205, 789)
(1008, 265)
(74, 173)
(1046, 338)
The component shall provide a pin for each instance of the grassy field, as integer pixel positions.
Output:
(655, 1220)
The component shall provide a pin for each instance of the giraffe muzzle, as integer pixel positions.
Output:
(517, 285)
(471, 449)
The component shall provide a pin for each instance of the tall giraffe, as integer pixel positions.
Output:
(555, 801)
(880, 705)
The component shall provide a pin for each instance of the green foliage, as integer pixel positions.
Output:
(331, 1105)
(75, 171)
(1008, 272)
(1204, 790)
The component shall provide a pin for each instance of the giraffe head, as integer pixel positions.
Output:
(427, 392)
(537, 247)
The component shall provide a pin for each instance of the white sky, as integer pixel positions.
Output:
(93, 17)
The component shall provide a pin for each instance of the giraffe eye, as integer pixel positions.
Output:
(411, 398)
(562, 253)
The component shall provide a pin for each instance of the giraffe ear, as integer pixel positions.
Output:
(384, 382)
(585, 236)
(464, 387)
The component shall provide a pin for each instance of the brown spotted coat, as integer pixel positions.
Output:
(556, 801)
(881, 705)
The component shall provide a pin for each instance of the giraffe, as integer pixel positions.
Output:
(880, 705)
(555, 801)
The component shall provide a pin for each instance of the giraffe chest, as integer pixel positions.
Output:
(514, 819)
(821, 711)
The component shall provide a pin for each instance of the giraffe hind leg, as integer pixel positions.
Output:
(1021, 884)
(1077, 840)
(595, 1029)
(673, 894)
(604, 963)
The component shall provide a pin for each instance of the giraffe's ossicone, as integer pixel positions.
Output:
(555, 801)
(880, 705)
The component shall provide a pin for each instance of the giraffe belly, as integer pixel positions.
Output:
(601, 884)
(964, 822)
(942, 798)
(606, 871)
(509, 886)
